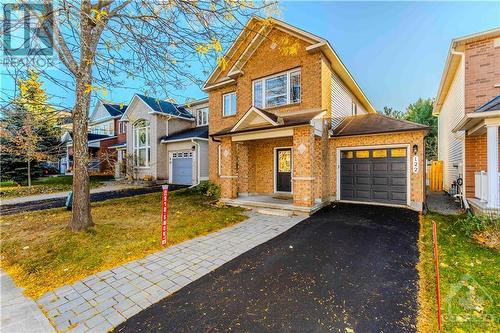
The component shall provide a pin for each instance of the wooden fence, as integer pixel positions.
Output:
(436, 176)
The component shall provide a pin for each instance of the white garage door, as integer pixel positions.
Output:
(182, 168)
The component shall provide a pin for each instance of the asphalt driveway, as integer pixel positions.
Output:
(352, 267)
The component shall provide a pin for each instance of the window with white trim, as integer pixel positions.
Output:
(229, 104)
(202, 117)
(121, 127)
(277, 90)
(141, 144)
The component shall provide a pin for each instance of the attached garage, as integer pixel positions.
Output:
(379, 160)
(378, 175)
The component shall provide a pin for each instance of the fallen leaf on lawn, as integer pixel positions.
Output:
(349, 330)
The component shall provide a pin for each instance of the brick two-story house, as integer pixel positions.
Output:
(290, 128)
(106, 138)
(468, 109)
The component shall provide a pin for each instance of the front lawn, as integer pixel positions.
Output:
(41, 254)
(470, 289)
(46, 185)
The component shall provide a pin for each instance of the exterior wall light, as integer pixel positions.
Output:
(415, 149)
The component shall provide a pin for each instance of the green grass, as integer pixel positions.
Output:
(41, 254)
(469, 280)
(45, 185)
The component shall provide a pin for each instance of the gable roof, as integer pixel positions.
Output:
(491, 105)
(284, 120)
(161, 106)
(266, 117)
(115, 110)
(373, 124)
(258, 28)
(200, 132)
(453, 58)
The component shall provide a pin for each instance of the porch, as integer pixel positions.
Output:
(482, 156)
(481, 202)
(272, 166)
(280, 205)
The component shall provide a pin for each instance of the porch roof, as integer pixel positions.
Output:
(374, 124)
(474, 121)
(283, 121)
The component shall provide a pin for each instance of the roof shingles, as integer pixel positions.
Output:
(373, 124)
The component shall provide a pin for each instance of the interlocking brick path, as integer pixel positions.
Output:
(103, 300)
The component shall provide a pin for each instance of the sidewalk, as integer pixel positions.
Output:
(20, 314)
(57, 195)
(104, 300)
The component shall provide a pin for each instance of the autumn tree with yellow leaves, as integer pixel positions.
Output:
(164, 44)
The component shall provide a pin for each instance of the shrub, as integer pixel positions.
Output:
(208, 189)
(473, 224)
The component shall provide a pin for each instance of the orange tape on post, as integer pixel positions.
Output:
(436, 268)
(164, 215)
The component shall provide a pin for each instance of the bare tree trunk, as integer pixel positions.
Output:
(81, 218)
(29, 171)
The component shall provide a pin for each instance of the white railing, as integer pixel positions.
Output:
(481, 185)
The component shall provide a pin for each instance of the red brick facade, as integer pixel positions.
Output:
(482, 83)
(247, 166)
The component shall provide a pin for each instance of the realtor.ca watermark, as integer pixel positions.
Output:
(27, 35)
(465, 304)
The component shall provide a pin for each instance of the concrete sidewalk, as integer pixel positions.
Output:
(57, 195)
(20, 314)
(104, 300)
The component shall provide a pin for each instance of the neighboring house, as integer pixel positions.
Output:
(166, 141)
(290, 128)
(468, 110)
(106, 138)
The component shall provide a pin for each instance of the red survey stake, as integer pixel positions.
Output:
(164, 215)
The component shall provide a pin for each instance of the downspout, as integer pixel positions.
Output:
(197, 162)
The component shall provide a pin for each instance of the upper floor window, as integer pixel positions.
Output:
(354, 108)
(202, 117)
(229, 104)
(141, 144)
(276, 90)
(122, 127)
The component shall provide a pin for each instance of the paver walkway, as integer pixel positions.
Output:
(104, 300)
(19, 314)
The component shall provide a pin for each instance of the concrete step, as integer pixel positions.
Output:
(275, 212)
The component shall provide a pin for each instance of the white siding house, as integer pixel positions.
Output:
(344, 103)
(451, 145)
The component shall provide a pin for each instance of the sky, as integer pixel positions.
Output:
(396, 51)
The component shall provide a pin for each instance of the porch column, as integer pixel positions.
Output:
(492, 159)
(229, 177)
(303, 166)
(243, 168)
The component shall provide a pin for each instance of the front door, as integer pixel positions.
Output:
(284, 170)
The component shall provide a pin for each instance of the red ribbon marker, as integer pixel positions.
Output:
(164, 214)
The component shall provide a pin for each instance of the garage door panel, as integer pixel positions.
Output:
(398, 181)
(380, 180)
(362, 194)
(362, 167)
(374, 177)
(398, 196)
(381, 195)
(380, 167)
(395, 166)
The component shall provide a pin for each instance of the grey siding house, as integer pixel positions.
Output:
(166, 142)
